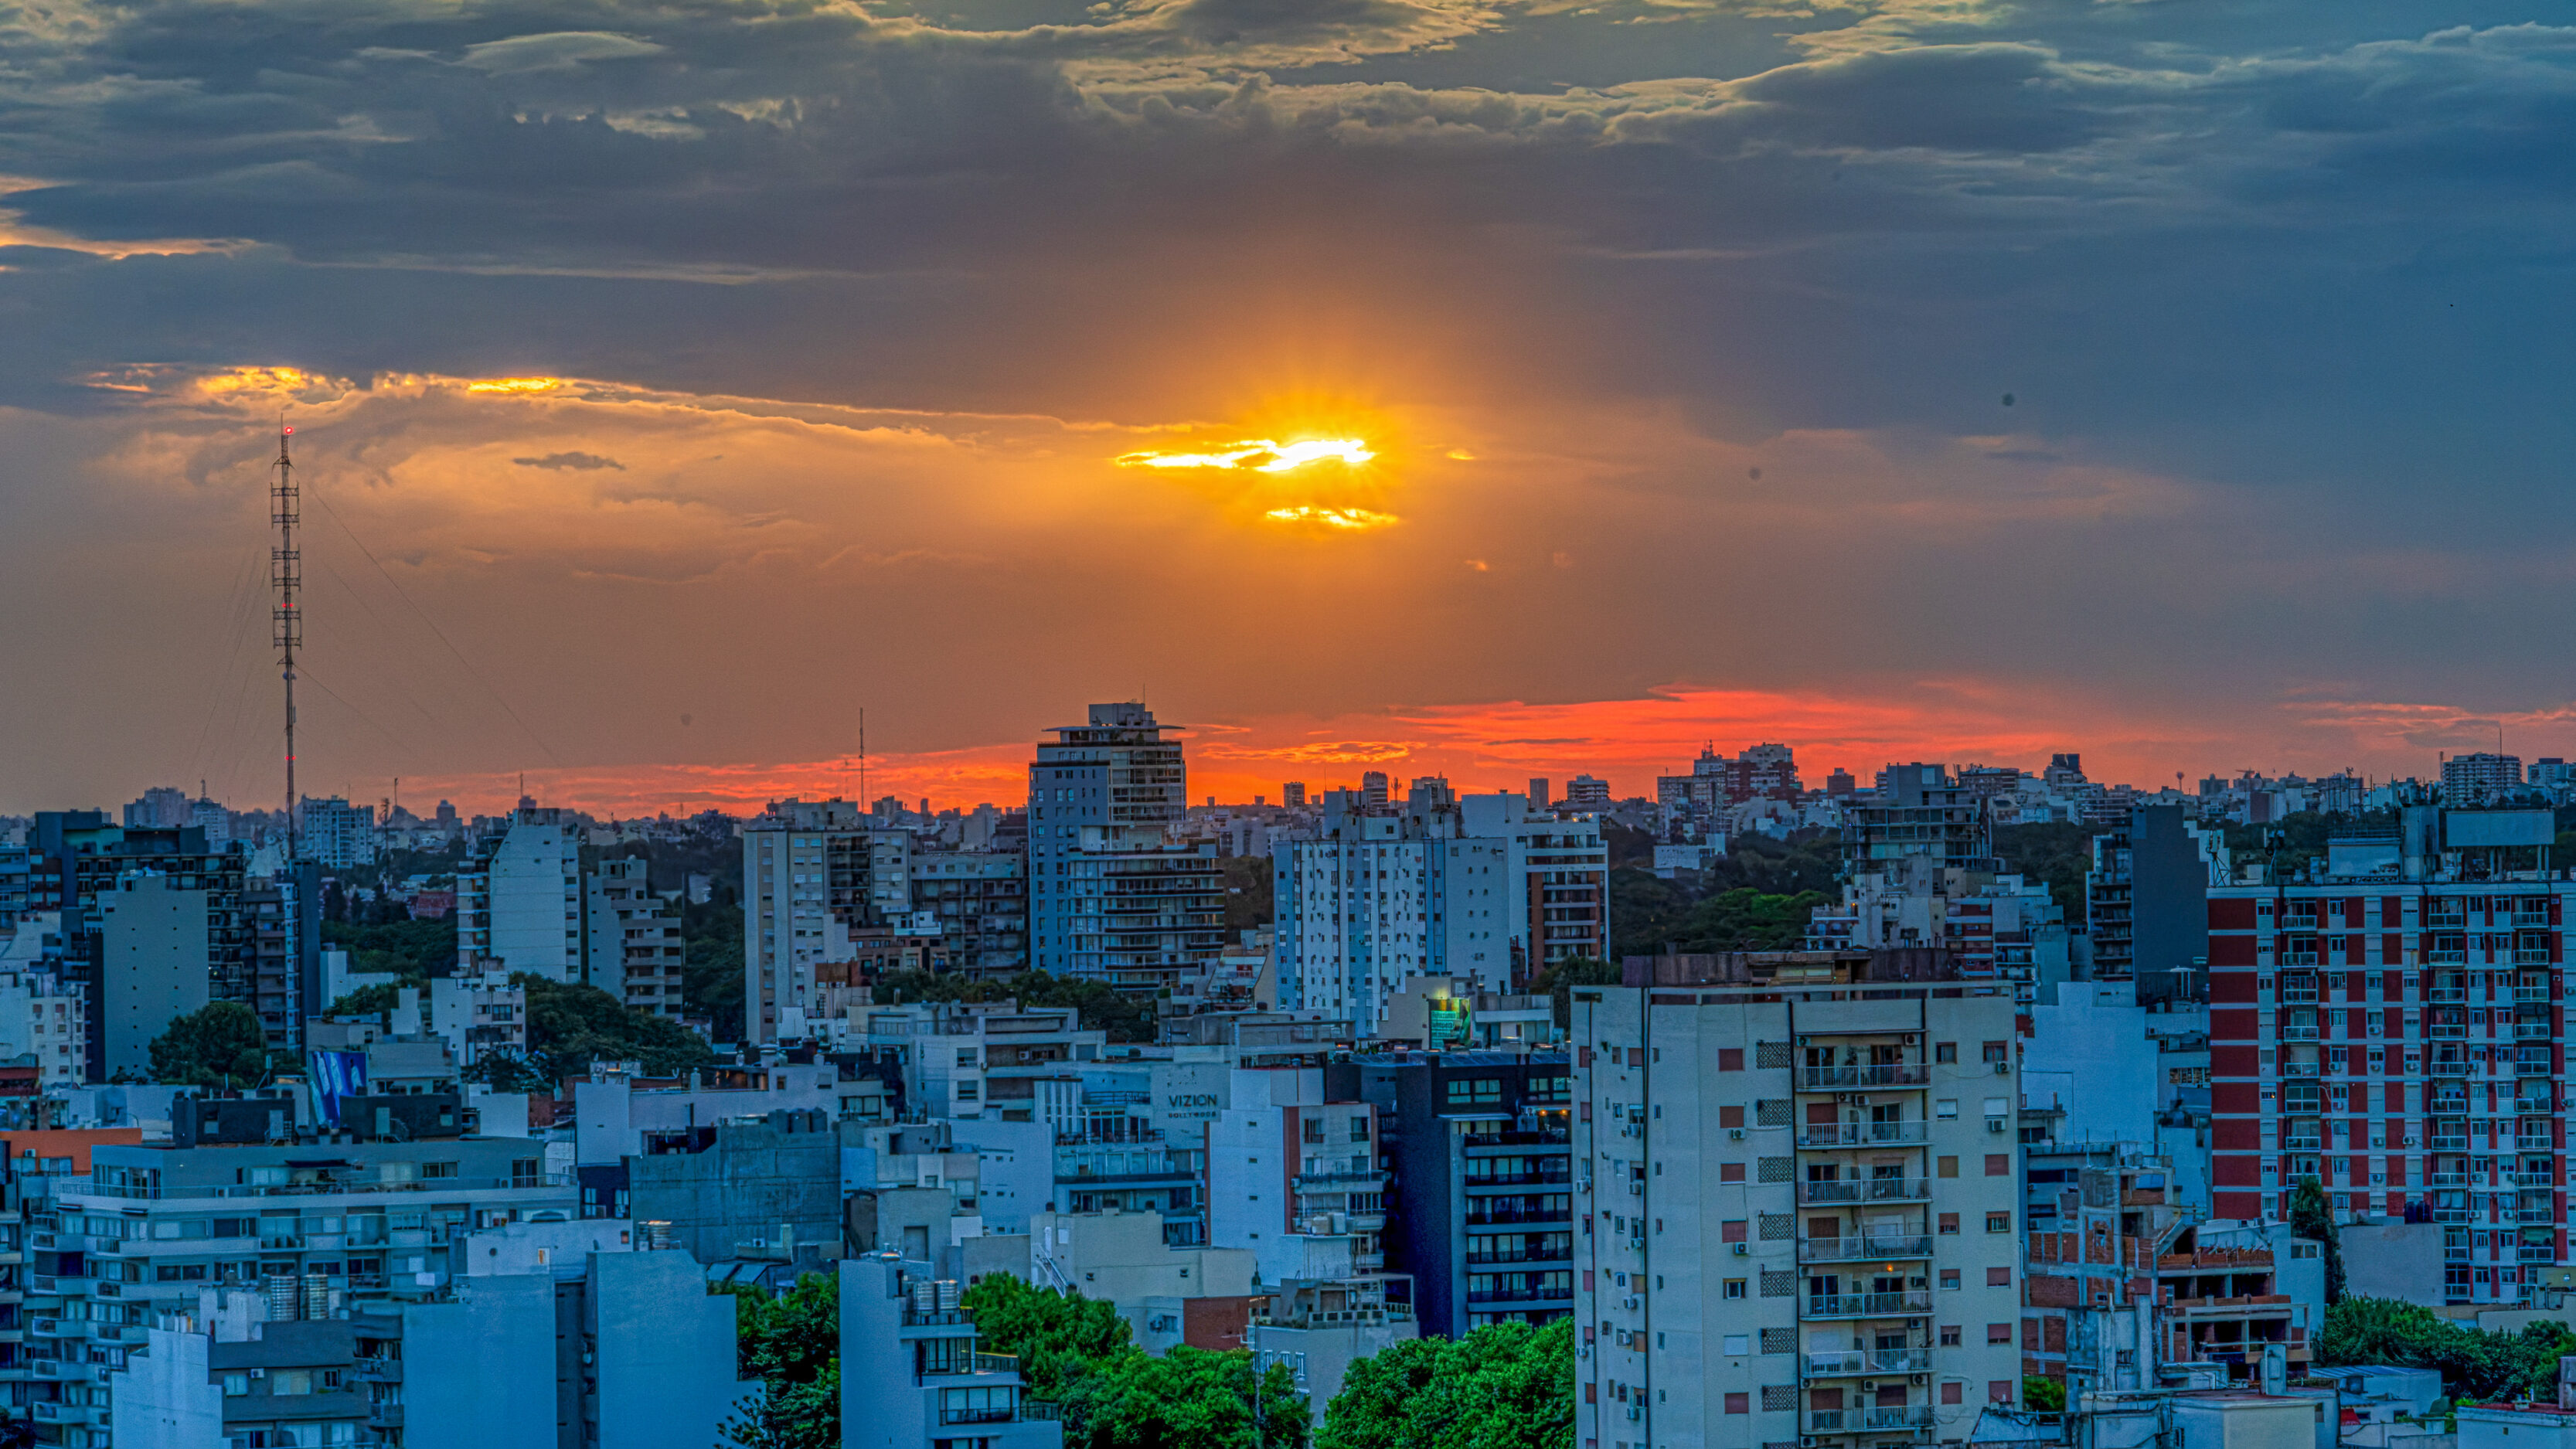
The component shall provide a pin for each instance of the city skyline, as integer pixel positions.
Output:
(673, 382)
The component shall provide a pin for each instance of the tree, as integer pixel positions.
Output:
(1248, 892)
(2474, 1364)
(413, 950)
(1504, 1386)
(220, 1045)
(2042, 1394)
(2312, 1217)
(1057, 1337)
(367, 1001)
(571, 1025)
(1558, 981)
(2056, 854)
(711, 970)
(1101, 1006)
(1190, 1398)
(792, 1344)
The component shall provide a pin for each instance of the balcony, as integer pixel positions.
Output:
(2531, 993)
(1910, 1416)
(2303, 1144)
(1864, 1189)
(2450, 1179)
(1556, 1174)
(1863, 1134)
(2531, 955)
(2294, 1031)
(2447, 995)
(2529, 1029)
(973, 1363)
(1857, 1248)
(1851, 1362)
(2447, 1030)
(2528, 919)
(2448, 1068)
(1863, 1078)
(1869, 1305)
(2447, 956)
(2298, 996)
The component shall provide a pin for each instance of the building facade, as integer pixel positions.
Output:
(815, 875)
(1481, 1215)
(1114, 896)
(631, 938)
(1795, 1183)
(520, 902)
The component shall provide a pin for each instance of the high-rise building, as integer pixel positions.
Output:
(631, 944)
(1540, 796)
(1797, 1186)
(1587, 792)
(335, 832)
(1373, 791)
(2479, 778)
(1923, 811)
(1482, 889)
(520, 902)
(2395, 1029)
(981, 898)
(1483, 1216)
(160, 808)
(2147, 903)
(1114, 894)
(815, 874)
(1293, 795)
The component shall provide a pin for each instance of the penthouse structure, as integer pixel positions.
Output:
(1795, 1183)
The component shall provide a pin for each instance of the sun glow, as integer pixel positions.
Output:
(1348, 519)
(1259, 455)
(515, 384)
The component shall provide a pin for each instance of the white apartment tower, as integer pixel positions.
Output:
(812, 872)
(1797, 1179)
(520, 904)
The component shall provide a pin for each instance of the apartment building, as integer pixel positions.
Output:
(1114, 894)
(2147, 899)
(631, 945)
(912, 1376)
(519, 903)
(336, 833)
(2000, 927)
(815, 876)
(1481, 1211)
(1920, 811)
(2394, 1027)
(981, 900)
(1479, 888)
(1796, 1177)
(2098, 1221)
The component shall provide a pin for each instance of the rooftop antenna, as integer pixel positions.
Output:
(286, 572)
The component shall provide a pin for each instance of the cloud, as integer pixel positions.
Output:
(559, 50)
(580, 462)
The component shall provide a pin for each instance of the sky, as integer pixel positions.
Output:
(2182, 384)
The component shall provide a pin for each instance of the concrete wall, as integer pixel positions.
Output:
(665, 1350)
(153, 968)
(2394, 1260)
(164, 1399)
(757, 1177)
(2091, 1056)
(479, 1372)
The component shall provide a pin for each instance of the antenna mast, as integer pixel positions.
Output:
(286, 572)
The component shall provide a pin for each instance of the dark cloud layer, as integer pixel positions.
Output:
(2281, 296)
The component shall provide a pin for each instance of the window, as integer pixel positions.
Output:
(1736, 1343)
(1730, 1059)
(236, 1385)
(438, 1169)
(1999, 1391)
(1953, 1391)
(969, 1092)
(1739, 1403)
(1998, 1333)
(1730, 1117)
(1999, 1277)
(1999, 1222)
(1314, 1129)
(1949, 1224)
(1997, 1052)
(1949, 1278)
(1474, 1091)
(1946, 1167)
(1947, 1109)
(1998, 1164)
(1734, 1288)
(1949, 1335)
(1945, 1051)
(1730, 1172)
(290, 1381)
(965, 1056)
(1731, 1232)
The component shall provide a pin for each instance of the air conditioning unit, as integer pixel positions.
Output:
(1869, 1386)
(1920, 1379)
(1806, 1441)
(1740, 1249)
(2003, 1069)
(1734, 1134)
(1913, 1039)
(1996, 1124)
